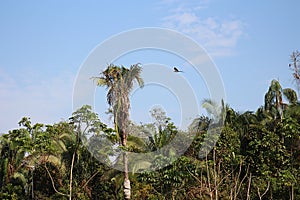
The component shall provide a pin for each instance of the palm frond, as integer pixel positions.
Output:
(136, 143)
(275, 85)
(140, 165)
(212, 108)
(55, 161)
(101, 82)
(20, 176)
(291, 95)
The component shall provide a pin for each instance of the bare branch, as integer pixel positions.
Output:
(265, 192)
(52, 181)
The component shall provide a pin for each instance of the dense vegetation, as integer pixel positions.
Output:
(257, 155)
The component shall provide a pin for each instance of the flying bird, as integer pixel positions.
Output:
(176, 70)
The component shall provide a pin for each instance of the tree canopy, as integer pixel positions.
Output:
(257, 155)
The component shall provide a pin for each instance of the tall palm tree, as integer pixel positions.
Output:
(274, 104)
(120, 81)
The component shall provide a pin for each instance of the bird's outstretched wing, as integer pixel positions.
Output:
(176, 70)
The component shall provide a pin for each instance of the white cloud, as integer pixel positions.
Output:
(184, 19)
(218, 36)
(43, 99)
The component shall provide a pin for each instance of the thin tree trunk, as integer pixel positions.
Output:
(208, 178)
(215, 175)
(127, 189)
(265, 192)
(292, 192)
(53, 184)
(126, 184)
(73, 157)
(249, 186)
(71, 176)
(32, 186)
(173, 195)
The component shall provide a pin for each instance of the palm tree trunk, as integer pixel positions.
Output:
(119, 80)
(127, 189)
(126, 185)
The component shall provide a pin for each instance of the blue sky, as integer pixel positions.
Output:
(44, 43)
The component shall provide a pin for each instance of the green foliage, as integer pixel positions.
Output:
(171, 180)
(256, 156)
